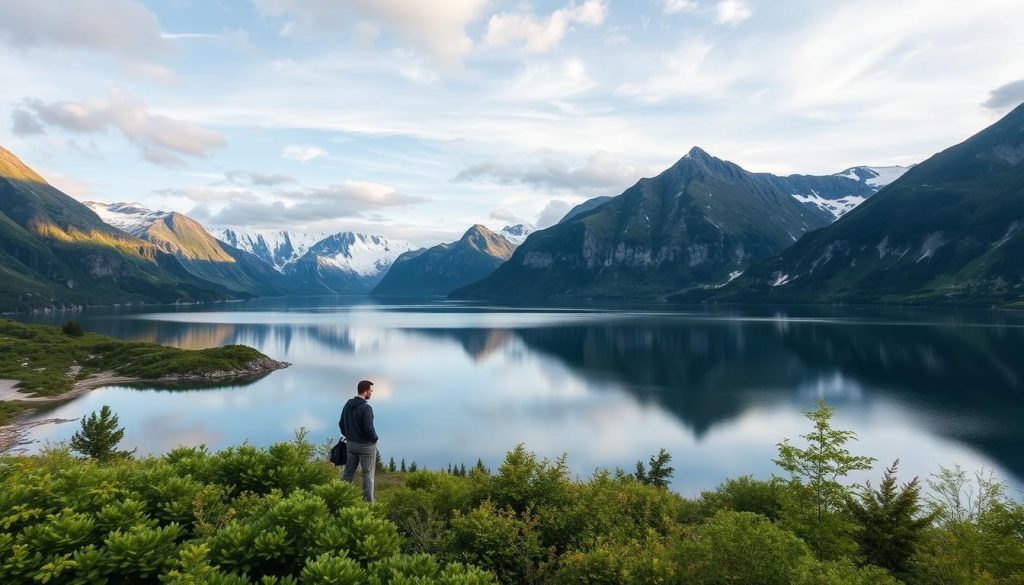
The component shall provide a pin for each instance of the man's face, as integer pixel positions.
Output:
(369, 393)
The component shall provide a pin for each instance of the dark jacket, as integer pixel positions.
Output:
(356, 422)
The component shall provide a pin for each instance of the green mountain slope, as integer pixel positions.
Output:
(54, 251)
(951, 230)
(697, 223)
(444, 268)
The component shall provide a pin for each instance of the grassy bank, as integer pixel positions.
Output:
(47, 361)
(249, 515)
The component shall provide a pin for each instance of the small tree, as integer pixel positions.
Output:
(892, 524)
(99, 436)
(412, 466)
(817, 499)
(658, 472)
(402, 468)
(73, 329)
(391, 465)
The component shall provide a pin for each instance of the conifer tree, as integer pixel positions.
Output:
(99, 436)
(402, 467)
(891, 521)
(412, 466)
(391, 464)
(481, 467)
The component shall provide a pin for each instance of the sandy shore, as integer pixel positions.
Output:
(12, 435)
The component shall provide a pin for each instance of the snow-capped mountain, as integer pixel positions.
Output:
(875, 176)
(278, 248)
(517, 233)
(347, 262)
(195, 248)
(837, 194)
(133, 218)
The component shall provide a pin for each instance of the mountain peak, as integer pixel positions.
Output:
(698, 153)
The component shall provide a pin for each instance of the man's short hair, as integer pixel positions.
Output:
(363, 386)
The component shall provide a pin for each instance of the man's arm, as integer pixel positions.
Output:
(371, 433)
(341, 422)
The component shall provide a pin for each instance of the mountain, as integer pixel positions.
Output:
(278, 248)
(345, 263)
(948, 231)
(197, 250)
(444, 268)
(839, 193)
(517, 234)
(55, 251)
(585, 206)
(700, 222)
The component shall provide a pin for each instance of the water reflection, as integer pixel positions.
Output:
(717, 387)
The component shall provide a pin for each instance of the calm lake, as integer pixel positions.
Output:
(717, 387)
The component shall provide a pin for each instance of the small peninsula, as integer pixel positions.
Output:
(42, 364)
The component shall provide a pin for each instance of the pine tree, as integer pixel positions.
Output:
(891, 522)
(462, 469)
(412, 466)
(99, 436)
(640, 474)
(449, 469)
(481, 467)
(391, 465)
(379, 463)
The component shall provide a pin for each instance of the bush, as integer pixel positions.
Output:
(184, 519)
(741, 547)
(746, 494)
(72, 328)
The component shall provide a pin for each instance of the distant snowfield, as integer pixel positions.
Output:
(837, 207)
(133, 218)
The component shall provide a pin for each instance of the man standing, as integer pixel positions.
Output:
(357, 427)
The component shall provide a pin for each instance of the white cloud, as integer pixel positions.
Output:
(551, 81)
(552, 213)
(120, 27)
(732, 11)
(438, 28)
(303, 152)
(543, 34)
(678, 6)
(220, 206)
(688, 72)
(599, 174)
(1006, 97)
(160, 139)
(505, 215)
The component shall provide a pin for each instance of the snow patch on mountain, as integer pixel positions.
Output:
(517, 233)
(133, 218)
(837, 207)
(876, 177)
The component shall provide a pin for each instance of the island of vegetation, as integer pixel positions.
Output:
(280, 515)
(41, 364)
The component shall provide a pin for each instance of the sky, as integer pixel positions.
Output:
(415, 119)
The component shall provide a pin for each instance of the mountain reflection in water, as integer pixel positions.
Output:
(717, 387)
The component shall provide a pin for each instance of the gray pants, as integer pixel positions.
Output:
(364, 455)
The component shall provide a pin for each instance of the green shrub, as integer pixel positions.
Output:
(499, 541)
(741, 547)
(746, 494)
(72, 328)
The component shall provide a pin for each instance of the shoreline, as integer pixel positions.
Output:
(12, 434)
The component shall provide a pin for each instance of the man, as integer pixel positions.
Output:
(357, 427)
